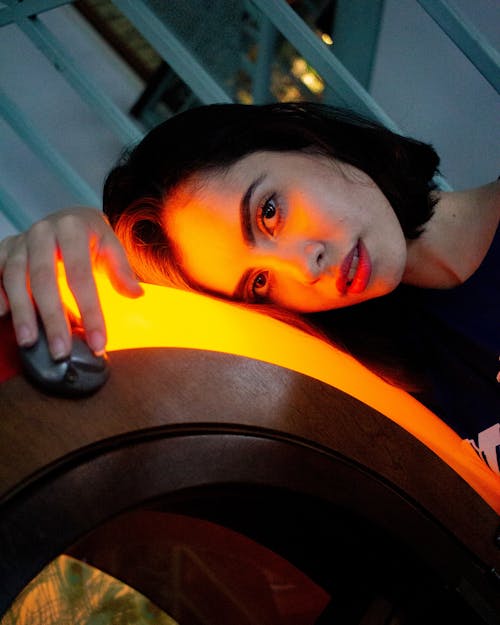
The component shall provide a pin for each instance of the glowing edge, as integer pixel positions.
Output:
(166, 317)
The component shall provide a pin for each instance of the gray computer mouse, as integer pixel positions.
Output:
(81, 373)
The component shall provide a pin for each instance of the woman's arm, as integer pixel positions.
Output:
(82, 239)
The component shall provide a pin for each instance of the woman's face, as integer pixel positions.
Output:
(288, 228)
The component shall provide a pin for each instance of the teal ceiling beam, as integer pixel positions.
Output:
(46, 152)
(324, 61)
(173, 51)
(90, 92)
(479, 51)
(18, 9)
(355, 33)
(13, 211)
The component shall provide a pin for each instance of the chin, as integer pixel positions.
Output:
(385, 289)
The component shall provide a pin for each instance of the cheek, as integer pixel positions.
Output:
(300, 298)
(389, 263)
(385, 237)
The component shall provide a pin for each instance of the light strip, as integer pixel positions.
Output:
(166, 317)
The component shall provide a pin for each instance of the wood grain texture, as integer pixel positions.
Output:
(180, 389)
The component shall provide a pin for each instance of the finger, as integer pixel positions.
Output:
(4, 302)
(42, 251)
(16, 292)
(111, 257)
(5, 245)
(75, 250)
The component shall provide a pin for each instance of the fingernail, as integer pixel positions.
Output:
(25, 336)
(97, 342)
(137, 289)
(58, 348)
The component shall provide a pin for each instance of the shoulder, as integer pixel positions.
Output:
(456, 239)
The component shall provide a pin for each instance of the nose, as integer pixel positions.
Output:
(306, 260)
(314, 259)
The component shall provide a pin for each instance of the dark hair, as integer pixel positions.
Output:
(216, 136)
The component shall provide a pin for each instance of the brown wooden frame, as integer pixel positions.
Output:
(154, 431)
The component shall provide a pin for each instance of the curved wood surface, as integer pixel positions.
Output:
(185, 390)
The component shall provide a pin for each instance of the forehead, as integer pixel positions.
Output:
(200, 189)
(206, 184)
(202, 219)
(215, 196)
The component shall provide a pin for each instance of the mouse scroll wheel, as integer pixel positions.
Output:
(71, 375)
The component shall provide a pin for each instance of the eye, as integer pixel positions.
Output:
(268, 216)
(260, 286)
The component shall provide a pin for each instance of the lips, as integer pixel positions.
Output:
(355, 271)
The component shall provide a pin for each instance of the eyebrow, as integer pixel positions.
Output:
(245, 217)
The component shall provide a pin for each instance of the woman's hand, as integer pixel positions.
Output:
(81, 238)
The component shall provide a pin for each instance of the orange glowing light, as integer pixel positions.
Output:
(166, 317)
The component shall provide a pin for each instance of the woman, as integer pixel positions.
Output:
(301, 208)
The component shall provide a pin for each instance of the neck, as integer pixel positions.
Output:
(456, 239)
